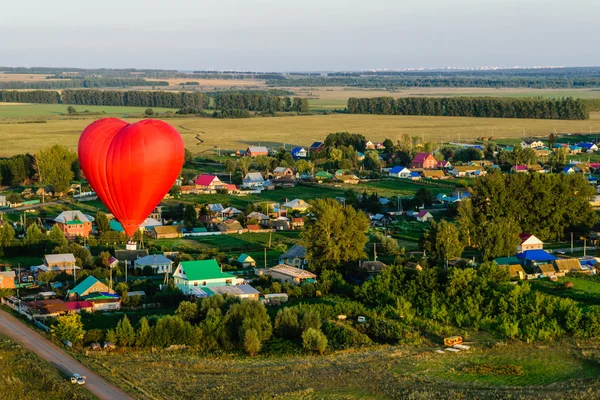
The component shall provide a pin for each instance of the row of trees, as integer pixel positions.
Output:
(479, 298)
(488, 107)
(260, 102)
(81, 83)
(135, 98)
(34, 96)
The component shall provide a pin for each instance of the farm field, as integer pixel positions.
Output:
(23, 77)
(44, 110)
(23, 376)
(584, 291)
(230, 134)
(214, 83)
(378, 372)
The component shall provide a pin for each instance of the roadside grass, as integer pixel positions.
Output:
(23, 376)
(583, 291)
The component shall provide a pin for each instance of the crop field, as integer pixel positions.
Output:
(215, 83)
(378, 372)
(23, 375)
(23, 77)
(45, 110)
(584, 290)
(230, 134)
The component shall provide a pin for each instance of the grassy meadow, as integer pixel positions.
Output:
(378, 372)
(230, 134)
(23, 375)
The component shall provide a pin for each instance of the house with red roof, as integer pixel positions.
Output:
(444, 164)
(424, 160)
(208, 182)
(529, 242)
(424, 216)
(519, 168)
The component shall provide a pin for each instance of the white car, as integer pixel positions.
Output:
(78, 379)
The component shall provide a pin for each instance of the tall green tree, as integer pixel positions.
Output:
(334, 235)
(443, 240)
(57, 236)
(68, 327)
(102, 222)
(190, 217)
(125, 332)
(54, 167)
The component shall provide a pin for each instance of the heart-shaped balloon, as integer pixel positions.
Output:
(131, 167)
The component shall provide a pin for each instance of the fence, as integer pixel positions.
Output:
(569, 250)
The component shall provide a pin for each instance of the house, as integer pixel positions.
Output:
(424, 160)
(369, 145)
(414, 265)
(566, 265)
(531, 144)
(282, 171)
(253, 228)
(289, 274)
(506, 261)
(574, 149)
(546, 270)
(165, 232)
(516, 271)
(258, 217)
(466, 171)
(246, 261)
(529, 242)
(202, 273)
(361, 156)
(379, 146)
(587, 146)
(3, 202)
(280, 224)
(243, 291)
(424, 216)
(323, 176)
(295, 256)
(372, 267)
(59, 263)
(208, 182)
(268, 185)
(400, 172)
(156, 214)
(253, 180)
(536, 168)
(299, 152)
(157, 262)
(296, 204)
(568, 170)
(255, 151)
(349, 179)
(7, 280)
(434, 174)
(519, 168)
(444, 164)
(148, 223)
(215, 208)
(297, 223)
(316, 147)
(457, 196)
(534, 257)
(414, 176)
(230, 226)
(130, 254)
(97, 293)
(74, 223)
(231, 212)
(55, 307)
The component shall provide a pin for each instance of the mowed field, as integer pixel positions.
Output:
(23, 77)
(229, 134)
(215, 83)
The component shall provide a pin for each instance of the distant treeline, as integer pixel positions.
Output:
(592, 104)
(264, 102)
(66, 82)
(488, 107)
(260, 102)
(393, 82)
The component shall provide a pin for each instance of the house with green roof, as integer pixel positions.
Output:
(323, 176)
(202, 273)
(246, 261)
(91, 289)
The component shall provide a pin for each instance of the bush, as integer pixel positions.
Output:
(251, 342)
(286, 323)
(342, 336)
(314, 341)
(310, 319)
(93, 336)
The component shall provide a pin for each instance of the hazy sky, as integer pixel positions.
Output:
(284, 35)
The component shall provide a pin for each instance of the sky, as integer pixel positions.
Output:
(299, 35)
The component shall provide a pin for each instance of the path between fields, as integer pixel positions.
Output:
(60, 360)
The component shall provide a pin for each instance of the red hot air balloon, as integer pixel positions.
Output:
(131, 167)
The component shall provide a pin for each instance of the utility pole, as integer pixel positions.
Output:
(584, 245)
(571, 242)
(374, 251)
(270, 236)
(265, 257)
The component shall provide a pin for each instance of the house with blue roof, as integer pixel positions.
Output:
(158, 263)
(415, 176)
(588, 146)
(535, 257)
(316, 146)
(568, 170)
(361, 156)
(400, 172)
(299, 152)
(574, 149)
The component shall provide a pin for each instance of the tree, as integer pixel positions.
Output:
(111, 336)
(310, 319)
(188, 157)
(244, 164)
(314, 340)
(244, 316)
(371, 161)
(443, 239)
(304, 166)
(190, 217)
(389, 145)
(230, 166)
(286, 323)
(102, 222)
(57, 236)
(187, 311)
(335, 235)
(251, 342)
(125, 332)
(149, 112)
(34, 235)
(143, 338)
(54, 167)
(69, 327)
(71, 110)
(424, 196)
(7, 235)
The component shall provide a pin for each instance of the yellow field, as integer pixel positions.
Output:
(302, 130)
(23, 77)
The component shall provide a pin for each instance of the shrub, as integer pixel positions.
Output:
(93, 335)
(286, 323)
(251, 342)
(341, 336)
(314, 340)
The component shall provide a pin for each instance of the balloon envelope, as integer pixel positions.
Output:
(131, 167)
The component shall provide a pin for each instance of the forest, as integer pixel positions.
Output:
(486, 107)
(81, 83)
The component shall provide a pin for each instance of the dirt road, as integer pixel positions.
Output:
(20, 332)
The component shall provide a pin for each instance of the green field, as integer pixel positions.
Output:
(45, 110)
(378, 372)
(583, 291)
(23, 375)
